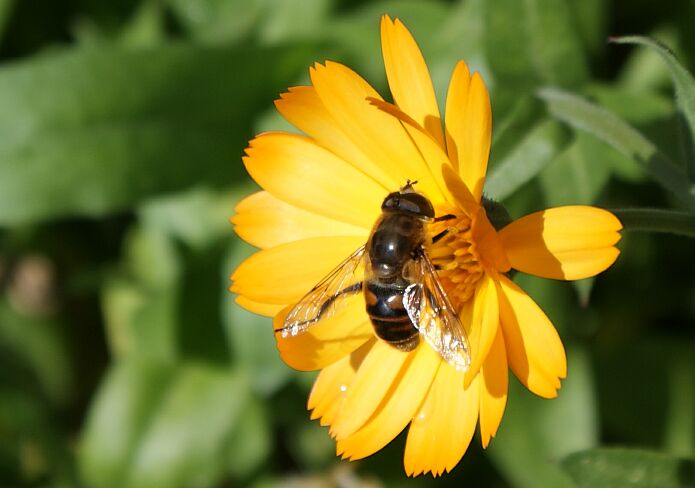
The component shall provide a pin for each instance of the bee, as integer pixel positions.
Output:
(405, 300)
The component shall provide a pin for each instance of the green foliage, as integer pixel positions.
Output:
(124, 361)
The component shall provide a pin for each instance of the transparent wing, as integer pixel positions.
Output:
(326, 298)
(433, 315)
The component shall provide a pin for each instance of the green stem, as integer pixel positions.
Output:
(657, 220)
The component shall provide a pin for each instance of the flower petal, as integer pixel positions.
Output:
(434, 156)
(534, 349)
(327, 341)
(303, 108)
(371, 385)
(265, 221)
(283, 274)
(344, 94)
(483, 316)
(298, 171)
(567, 243)
(493, 389)
(328, 392)
(468, 122)
(409, 79)
(444, 425)
(260, 308)
(398, 407)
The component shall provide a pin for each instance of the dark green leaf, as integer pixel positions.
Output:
(629, 468)
(536, 432)
(685, 94)
(534, 41)
(540, 146)
(95, 131)
(140, 300)
(606, 126)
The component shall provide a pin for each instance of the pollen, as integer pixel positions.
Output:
(456, 258)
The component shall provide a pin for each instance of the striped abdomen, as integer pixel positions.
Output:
(388, 315)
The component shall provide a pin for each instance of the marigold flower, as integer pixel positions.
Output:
(322, 195)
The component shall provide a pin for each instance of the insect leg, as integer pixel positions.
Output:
(441, 218)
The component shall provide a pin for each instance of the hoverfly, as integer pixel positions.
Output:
(403, 295)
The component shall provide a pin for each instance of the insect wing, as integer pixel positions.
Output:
(433, 315)
(327, 297)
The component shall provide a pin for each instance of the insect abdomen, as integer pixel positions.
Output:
(389, 316)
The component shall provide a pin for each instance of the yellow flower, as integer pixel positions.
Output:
(322, 195)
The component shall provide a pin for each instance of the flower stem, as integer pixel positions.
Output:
(657, 220)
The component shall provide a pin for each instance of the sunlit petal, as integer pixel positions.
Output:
(409, 78)
(534, 349)
(372, 384)
(468, 121)
(302, 107)
(327, 341)
(397, 408)
(443, 426)
(331, 385)
(484, 324)
(493, 389)
(283, 274)
(566, 243)
(266, 221)
(345, 94)
(285, 163)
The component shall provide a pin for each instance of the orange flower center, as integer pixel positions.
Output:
(456, 257)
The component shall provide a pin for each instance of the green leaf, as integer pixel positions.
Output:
(39, 343)
(272, 21)
(629, 468)
(95, 131)
(140, 299)
(535, 41)
(250, 441)
(251, 336)
(579, 174)
(584, 115)
(537, 432)
(540, 146)
(155, 424)
(685, 94)
(657, 220)
(357, 33)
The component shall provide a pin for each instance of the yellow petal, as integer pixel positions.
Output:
(397, 408)
(409, 79)
(434, 156)
(344, 94)
(265, 221)
(298, 171)
(444, 425)
(328, 393)
(285, 273)
(493, 389)
(488, 243)
(327, 341)
(260, 308)
(371, 385)
(567, 243)
(534, 349)
(468, 122)
(483, 313)
(459, 191)
(303, 108)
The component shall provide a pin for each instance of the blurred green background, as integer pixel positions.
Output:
(124, 361)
